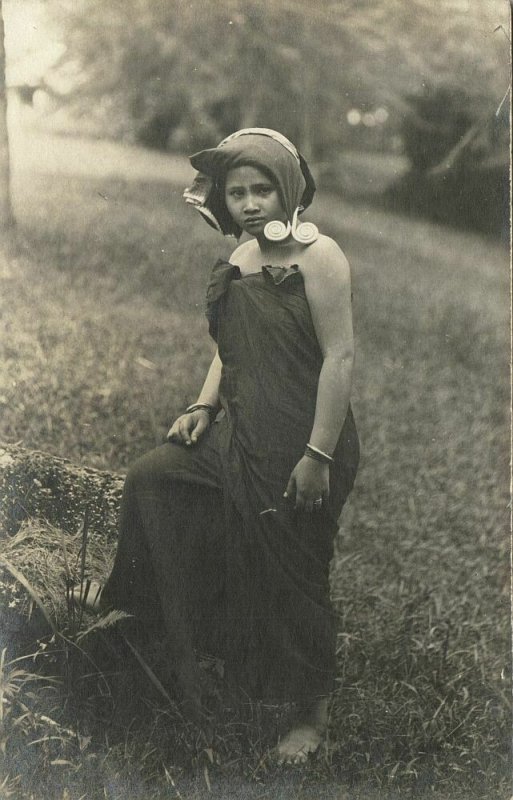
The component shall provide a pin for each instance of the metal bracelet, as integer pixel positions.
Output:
(317, 454)
(202, 407)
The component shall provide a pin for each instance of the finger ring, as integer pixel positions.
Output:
(317, 503)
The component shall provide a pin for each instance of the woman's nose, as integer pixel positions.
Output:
(251, 204)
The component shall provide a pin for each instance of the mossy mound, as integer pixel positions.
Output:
(37, 485)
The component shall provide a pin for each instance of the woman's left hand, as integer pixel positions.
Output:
(309, 482)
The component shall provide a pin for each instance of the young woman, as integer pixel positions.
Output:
(227, 530)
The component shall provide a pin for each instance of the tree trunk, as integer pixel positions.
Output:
(6, 212)
(307, 101)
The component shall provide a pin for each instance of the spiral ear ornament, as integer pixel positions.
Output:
(277, 231)
(303, 232)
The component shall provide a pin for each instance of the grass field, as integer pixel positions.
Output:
(104, 341)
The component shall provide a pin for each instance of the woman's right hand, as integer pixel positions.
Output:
(188, 428)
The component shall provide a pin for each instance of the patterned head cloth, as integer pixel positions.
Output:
(256, 147)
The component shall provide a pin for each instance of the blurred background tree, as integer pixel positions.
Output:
(182, 74)
(404, 78)
(6, 212)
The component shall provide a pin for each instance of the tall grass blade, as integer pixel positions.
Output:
(148, 670)
(105, 622)
(83, 553)
(30, 589)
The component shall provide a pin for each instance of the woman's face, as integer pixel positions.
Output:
(252, 199)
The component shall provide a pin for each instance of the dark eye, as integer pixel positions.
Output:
(266, 189)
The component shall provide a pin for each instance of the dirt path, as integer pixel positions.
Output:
(37, 149)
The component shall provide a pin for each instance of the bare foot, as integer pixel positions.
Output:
(297, 745)
(306, 735)
(88, 595)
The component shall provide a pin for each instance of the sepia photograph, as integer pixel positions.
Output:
(255, 400)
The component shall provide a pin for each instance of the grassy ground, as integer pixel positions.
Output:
(104, 341)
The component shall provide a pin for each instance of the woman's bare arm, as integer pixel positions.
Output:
(210, 390)
(188, 428)
(328, 290)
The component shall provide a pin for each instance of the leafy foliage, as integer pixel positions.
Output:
(442, 116)
(459, 162)
(190, 72)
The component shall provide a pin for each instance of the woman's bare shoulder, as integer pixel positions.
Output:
(324, 255)
(242, 253)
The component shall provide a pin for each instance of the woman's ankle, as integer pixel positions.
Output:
(313, 712)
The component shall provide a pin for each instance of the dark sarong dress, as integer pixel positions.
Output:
(205, 530)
